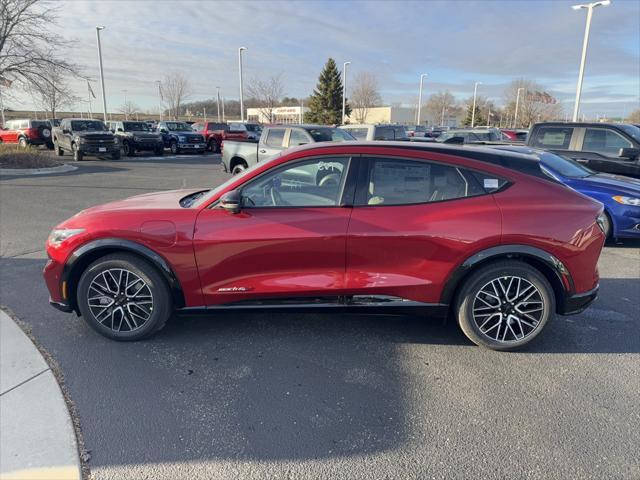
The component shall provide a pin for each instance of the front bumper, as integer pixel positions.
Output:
(148, 145)
(576, 303)
(89, 149)
(192, 146)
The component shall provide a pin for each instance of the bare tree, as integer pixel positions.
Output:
(441, 106)
(129, 109)
(28, 48)
(266, 95)
(534, 103)
(52, 93)
(364, 95)
(175, 89)
(634, 116)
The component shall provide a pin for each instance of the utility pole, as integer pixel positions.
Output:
(104, 94)
(418, 116)
(241, 86)
(473, 110)
(585, 43)
(218, 102)
(344, 89)
(515, 115)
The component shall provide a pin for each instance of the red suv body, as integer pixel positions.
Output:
(27, 132)
(216, 133)
(480, 234)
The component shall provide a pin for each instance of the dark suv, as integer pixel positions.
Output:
(605, 147)
(136, 136)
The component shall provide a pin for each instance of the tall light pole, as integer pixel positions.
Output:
(585, 43)
(473, 110)
(420, 99)
(241, 87)
(126, 111)
(104, 95)
(344, 90)
(160, 97)
(218, 102)
(515, 114)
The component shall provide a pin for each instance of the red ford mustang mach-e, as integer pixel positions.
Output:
(482, 235)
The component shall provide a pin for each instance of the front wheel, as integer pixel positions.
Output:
(77, 153)
(238, 169)
(174, 147)
(159, 151)
(123, 297)
(58, 149)
(128, 149)
(505, 305)
(22, 142)
(213, 146)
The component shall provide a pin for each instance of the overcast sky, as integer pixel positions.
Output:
(456, 43)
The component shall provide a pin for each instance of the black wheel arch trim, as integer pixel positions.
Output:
(513, 251)
(83, 255)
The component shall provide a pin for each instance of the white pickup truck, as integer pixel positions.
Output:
(238, 156)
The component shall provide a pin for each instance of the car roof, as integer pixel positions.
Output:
(523, 162)
(582, 124)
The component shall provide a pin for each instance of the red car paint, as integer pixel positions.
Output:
(407, 251)
(218, 133)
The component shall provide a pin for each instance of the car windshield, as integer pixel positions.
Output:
(87, 126)
(207, 196)
(178, 127)
(253, 128)
(135, 127)
(631, 130)
(564, 166)
(328, 134)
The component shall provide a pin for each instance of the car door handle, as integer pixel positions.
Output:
(263, 151)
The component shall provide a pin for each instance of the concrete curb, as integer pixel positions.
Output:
(37, 435)
(38, 171)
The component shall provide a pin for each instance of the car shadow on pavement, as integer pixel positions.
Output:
(84, 168)
(271, 385)
(181, 158)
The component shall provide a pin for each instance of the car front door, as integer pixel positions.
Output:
(273, 144)
(413, 221)
(288, 241)
(600, 149)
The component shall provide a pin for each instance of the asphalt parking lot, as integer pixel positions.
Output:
(314, 395)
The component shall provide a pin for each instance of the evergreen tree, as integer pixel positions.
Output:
(479, 119)
(325, 105)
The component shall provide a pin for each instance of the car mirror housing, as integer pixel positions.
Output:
(230, 201)
(630, 153)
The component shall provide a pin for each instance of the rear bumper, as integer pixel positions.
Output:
(578, 302)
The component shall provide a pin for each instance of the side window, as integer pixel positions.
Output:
(298, 137)
(9, 125)
(384, 133)
(310, 183)
(405, 182)
(358, 133)
(553, 137)
(275, 137)
(601, 140)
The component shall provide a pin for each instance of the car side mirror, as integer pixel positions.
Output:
(630, 153)
(230, 201)
(163, 130)
(120, 129)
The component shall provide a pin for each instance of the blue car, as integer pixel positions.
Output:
(619, 195)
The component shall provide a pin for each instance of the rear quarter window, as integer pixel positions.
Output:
(553, 137)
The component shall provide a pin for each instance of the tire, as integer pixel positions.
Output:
(58, 149)
(126, 320)
(174, 147)
(128, 150)
(49, 146)
(607, 227)
(239, 168)
(213, 146)
(490, 320)
(159, 151)
(78, 156)
(115, 155)
(22, 142)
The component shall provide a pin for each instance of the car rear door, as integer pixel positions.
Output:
(288, 241)
(599, 148)
(413, 221)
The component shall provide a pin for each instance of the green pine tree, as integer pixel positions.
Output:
(479, 120)
(325, 105)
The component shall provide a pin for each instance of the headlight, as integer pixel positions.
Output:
(635, 201)
(136, 139)
(182, 139)
(59, 235)
(81, 140)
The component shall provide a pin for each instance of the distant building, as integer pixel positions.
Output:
(284, 115)
(400, 115)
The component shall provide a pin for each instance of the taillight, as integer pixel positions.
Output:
(32, 132)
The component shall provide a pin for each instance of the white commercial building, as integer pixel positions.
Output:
(284, 115)
(399, 115)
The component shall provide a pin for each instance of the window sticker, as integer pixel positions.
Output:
(490, 183)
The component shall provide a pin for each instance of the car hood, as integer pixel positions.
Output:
(148, 201)
(96, 133)
(617, 183)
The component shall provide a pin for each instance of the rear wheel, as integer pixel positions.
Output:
(607, 226)
(174, 147)
(213, 145)
(238, 168)
(505, 305)
(123, 297)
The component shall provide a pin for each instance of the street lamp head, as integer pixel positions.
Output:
(99, 27)
(424, 75)
(602, 3)
(347, 63)
(242, 48)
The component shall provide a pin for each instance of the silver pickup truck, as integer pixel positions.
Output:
(238, 156)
